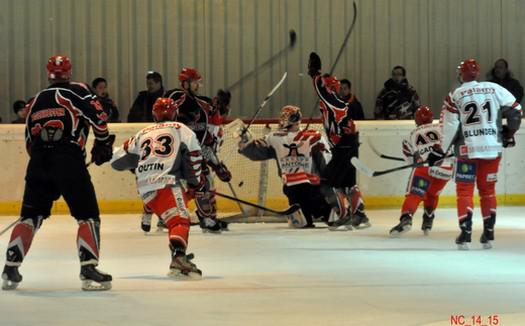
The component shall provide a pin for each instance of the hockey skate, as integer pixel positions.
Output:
(486, 238)
(145, 223)
(360, 220)
(342, 224)
(209, 225)
(428, 221)
(466, 233)
(224, 225)
(181, 267)
(161, 226)
(94, 280)
(405, 224)
(10, 278)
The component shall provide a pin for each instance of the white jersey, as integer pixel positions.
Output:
(418, 145)
(472, 113)
(161, 154)
(294, 154)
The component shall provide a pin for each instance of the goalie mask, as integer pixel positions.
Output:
(290, 115)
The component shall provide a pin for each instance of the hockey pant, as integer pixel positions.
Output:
(484, 174)
(309, 196)
(425, 186)
(171, 205)
(50, 175)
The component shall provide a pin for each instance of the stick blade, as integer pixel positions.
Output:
(361, 167)
(292, 209)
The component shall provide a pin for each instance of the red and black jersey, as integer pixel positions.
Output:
(63, 114)
(336, 113)
(199, 113)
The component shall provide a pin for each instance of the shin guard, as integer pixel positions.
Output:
(88, 242)
(20, 241)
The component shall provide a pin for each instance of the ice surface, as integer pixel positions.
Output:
(267, 274)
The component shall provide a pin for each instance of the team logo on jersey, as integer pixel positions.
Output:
(465, 172)
(419, 186)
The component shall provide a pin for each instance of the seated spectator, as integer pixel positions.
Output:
(100, 88)
(141, 109)
(500, 74)
(398, 100)
(356, 111)
(19, 107)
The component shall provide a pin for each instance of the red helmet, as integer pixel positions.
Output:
(189, 74)
(424, 115)
(164, 109)
(58, 67)
(468, 70)
(332, 83)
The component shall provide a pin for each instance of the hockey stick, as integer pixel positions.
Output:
(291, 44)
(266, 99)
(358, 164)
(388, 157)
(290, 210)
(341, 49)
(9, 227)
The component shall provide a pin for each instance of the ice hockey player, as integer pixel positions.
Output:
(425, 183)
(343, 138)
(472, 123)
(204, 116)
(57, 128)
(298, 154)
(164, 155)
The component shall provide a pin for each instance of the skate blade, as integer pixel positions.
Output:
(178, 275)
(211, 231)
(89, 285)
(426, 232)
(9, 285)
(363, 226)
(341, 228)
(462, 246)
(397, 234)
(161, 230)
(487, 245)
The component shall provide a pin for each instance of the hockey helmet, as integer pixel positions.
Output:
(424, 115)
(164, 109)
(468, 70)
(189, 74)
(290, 115)
(58, 67)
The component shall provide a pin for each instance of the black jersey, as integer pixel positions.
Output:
(62, 114)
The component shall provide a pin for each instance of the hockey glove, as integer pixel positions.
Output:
(314, 65)
(435, 156)
(508, 137)
(221, 171)
(102, 150)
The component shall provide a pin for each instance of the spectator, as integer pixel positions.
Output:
(19, 107)
(356, 109)
(141, 109)
(500, 74)
(100, 87)
(398, 100)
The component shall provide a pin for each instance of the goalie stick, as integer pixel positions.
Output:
(388, 157)
(266, 99)
(290, 210)
(291, 44)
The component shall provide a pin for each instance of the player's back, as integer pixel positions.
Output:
(423, 138)
(478, 105)
(163, 151)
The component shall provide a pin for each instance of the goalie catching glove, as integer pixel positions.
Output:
(102, 150)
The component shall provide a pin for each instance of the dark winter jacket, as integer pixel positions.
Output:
(141, 109)
(397, 101)
(356, 109)
(512, 85)
(110, 108)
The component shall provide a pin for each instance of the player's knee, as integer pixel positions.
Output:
(34, 220)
